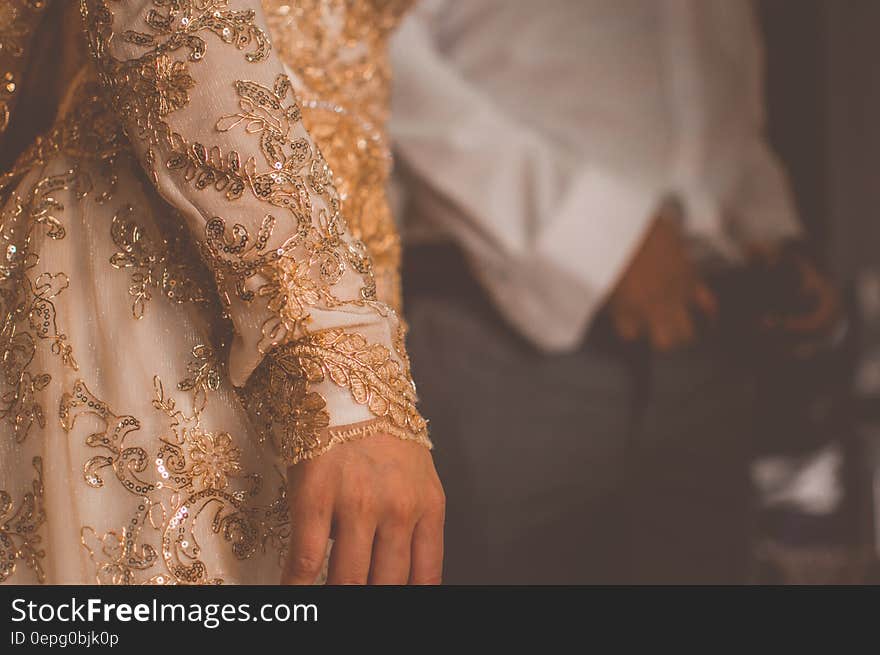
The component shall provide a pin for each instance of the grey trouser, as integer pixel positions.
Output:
(607, 465)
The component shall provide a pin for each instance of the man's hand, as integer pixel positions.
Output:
(814, 289)
(381, 501)
(658, 292)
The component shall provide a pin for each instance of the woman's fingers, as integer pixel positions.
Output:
(392, 549)
(368, 495)
(352, 549)
(310, 519)
(427, 549)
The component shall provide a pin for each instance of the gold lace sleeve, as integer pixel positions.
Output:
(213, 116)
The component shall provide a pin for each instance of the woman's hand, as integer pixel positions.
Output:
(381, 501)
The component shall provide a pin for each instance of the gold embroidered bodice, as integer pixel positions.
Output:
(337, 51)
(261, 126)
(345, 104)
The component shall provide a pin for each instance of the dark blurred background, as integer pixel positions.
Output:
(824, 99)
(824, 102)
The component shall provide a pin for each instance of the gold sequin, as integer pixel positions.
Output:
(116, 110)
(20, 540)
(289, 174)
(345, 103)
(282, 402)
(27, 307)
(185, 476)
(157, 264)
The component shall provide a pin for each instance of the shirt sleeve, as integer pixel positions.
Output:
(734, 188)
(547, 233)
(212, 115)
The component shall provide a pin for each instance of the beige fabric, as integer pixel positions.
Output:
(143, 281)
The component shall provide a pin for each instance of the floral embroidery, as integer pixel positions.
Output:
(367, 370)
(19, 529)
(301, 272)
(179, 481)
(336, 50)
(90, 133)
(282, 402)
(27, 307)
(214, 458)
(204, 375)
(294, 169)
(234, 258)
(172, 81)
(283, 407)
(148, 88)
(309, 267)
(160, 265)
(345, 106)
(208, 168)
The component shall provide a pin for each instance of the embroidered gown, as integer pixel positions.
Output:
(191, 299)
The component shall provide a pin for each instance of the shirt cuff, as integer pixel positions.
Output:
(593, 238)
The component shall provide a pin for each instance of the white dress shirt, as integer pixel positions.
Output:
(543, 137)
